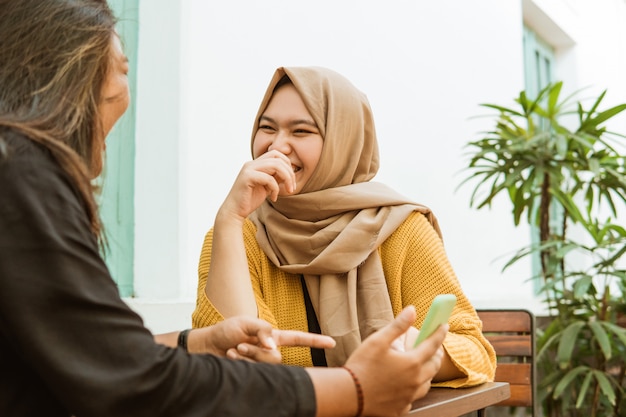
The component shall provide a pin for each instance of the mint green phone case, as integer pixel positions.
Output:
(438, 314)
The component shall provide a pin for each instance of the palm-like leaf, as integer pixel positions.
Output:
(538, 162)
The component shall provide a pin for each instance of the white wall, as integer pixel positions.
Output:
(425, 66)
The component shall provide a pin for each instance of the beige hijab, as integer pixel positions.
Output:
(329, 232)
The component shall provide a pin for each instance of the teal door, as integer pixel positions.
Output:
(539, 63)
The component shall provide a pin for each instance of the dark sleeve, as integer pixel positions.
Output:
(61, 317)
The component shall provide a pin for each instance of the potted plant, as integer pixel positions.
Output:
(569, 184)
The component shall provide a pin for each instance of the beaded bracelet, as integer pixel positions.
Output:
(359, 392)
(182, 339)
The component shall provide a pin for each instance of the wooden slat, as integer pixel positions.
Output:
(505, 321)
(515, 373)
(521, 396)
(511, 334)
(511, 345)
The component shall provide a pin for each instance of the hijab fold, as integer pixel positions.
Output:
(330, 231)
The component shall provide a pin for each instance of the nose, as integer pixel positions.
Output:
(281, 143)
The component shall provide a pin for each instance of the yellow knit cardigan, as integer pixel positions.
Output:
(416, 270)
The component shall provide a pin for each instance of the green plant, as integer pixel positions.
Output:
(569, 183)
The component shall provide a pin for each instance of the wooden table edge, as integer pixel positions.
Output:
(449, 402)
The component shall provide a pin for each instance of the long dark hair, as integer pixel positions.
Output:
(54, 58)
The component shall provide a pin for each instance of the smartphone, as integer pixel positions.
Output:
(438, 314)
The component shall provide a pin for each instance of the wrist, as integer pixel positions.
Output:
(360, 399)
(335, 393)
(183, 339)
(228, 218)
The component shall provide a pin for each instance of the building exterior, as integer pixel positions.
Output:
(201, 68)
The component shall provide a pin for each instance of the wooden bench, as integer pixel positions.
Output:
(512, 334)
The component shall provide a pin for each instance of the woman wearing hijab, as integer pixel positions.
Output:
(305, 239)
(69, 344)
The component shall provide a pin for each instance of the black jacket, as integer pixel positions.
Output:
(69, 345)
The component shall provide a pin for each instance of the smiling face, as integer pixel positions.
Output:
(287, 127)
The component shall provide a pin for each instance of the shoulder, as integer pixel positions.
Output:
(36, 193)
(25, 163)
(415, 230)
(416, 222)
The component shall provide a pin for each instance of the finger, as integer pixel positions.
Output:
(266, 339)
(286, 174)
(434, 341)
(430, 368)
(276, 160)
(260, 330)
(409, 339)
(422, 390)
(271, 177)
(399, 343)
(397, 327)
(279, 167)
(273, 191)
(274, 154)
(233, 354)
(258, 354)
(266, 176)
(298, 338)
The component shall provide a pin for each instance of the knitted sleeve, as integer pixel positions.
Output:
(417, 269)
(205, 313)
